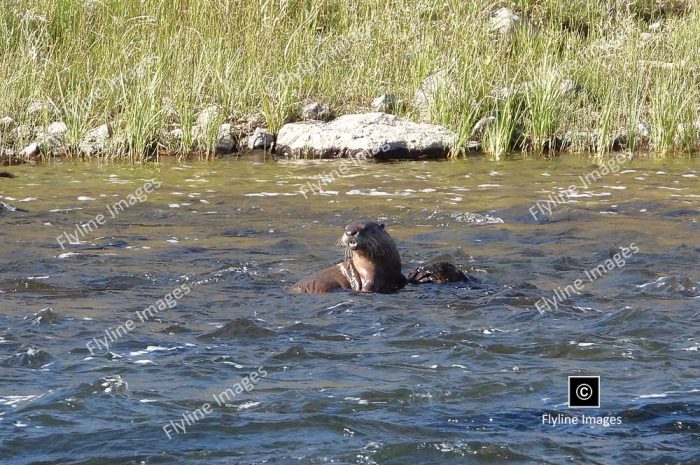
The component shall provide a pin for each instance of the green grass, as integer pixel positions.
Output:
(148, 66)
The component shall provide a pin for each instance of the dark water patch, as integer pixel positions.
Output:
(9, 286)
(29, 358)
(44, 317)
(240, 328)
(119, 283)
(293, 353)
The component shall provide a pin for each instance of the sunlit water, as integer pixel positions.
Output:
(435, 374)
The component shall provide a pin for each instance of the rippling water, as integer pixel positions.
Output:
(431, 375)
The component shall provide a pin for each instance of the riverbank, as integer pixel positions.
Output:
(139, 80)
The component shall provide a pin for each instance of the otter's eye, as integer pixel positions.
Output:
(351, 233)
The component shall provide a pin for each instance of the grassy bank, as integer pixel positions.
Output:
(148, 66)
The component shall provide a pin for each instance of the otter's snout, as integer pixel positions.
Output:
(351, 235)
(356, 234)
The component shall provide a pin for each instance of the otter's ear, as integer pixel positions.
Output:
(381, 226)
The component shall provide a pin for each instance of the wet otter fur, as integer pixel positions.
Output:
(372, 264)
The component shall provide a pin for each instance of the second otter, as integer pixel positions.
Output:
(372, 264)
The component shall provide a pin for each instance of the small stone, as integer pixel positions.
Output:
(316, 112)
(240, 328)
(6, 124)
(386, 103)
(504, 21)
(206, 117)
(95, 141)
(225, 143)
(432, 87)
(656, 27)
(481, 127)
(260, 139)
(30, 151)
(176, 134)
(570, 87)
(472, 146)
(57, 129)
(38, 106)
(643, 131)
(51, 145)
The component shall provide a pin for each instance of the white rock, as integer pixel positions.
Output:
(316, 111)
(371, 135)
(261, 139)
(386, 103)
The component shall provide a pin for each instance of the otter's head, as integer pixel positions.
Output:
(367, 238)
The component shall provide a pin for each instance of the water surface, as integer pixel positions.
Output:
(430, 375)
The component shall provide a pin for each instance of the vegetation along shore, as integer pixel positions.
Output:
(136, 80)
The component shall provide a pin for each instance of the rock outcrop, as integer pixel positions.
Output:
(370, 135)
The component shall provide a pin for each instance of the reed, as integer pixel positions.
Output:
(148, 66)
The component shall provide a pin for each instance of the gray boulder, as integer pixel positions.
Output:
(370, 135)
(316, 112)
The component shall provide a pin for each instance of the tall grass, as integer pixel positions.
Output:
(147, 66)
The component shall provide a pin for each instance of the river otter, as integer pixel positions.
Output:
(373, 264)
(6, 174)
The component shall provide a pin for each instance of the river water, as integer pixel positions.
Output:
(237, 370)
